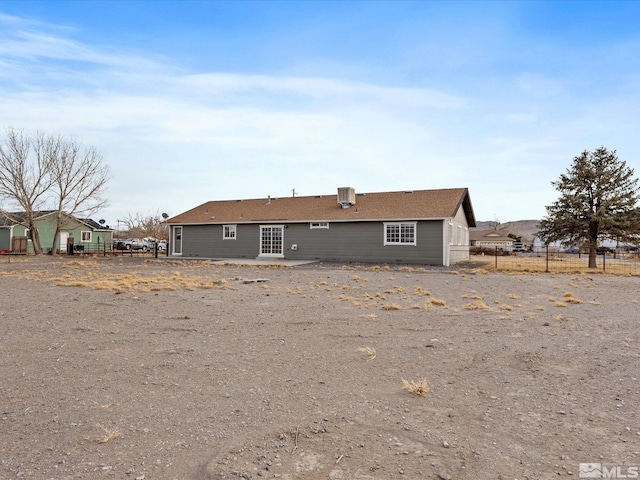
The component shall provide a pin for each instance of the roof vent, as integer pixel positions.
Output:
(346, 196)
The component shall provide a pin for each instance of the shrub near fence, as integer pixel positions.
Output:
(555, 261)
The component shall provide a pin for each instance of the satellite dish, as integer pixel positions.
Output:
(165, 215)
(101, 221)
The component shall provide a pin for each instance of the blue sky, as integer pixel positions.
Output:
(191, 101)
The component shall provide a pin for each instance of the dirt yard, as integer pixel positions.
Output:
(133, 369)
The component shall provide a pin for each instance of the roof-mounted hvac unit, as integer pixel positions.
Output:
(346, 196)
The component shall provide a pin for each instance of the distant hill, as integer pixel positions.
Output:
(527, 229)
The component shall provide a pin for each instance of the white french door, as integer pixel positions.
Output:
(271, 240)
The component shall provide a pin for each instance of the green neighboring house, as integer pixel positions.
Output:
(86, 235)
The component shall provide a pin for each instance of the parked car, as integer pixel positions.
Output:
(518, 247)
(132, 244)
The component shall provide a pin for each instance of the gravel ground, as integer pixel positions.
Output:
(139, 369)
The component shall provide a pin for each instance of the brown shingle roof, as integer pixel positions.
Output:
(490, 235)
(414, 205)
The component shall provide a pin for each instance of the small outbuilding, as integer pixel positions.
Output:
(416, 226)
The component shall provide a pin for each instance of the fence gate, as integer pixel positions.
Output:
(19, 245)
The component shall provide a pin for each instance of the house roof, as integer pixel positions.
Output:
(407, 205)
(8, 219)
(490, 235)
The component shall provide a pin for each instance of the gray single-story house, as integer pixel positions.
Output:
(418, 226)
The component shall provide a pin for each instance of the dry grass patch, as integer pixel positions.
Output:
(135, 281)
(391, 306)
(569, 298)
(420, 387)
(369, 352)
(108, 434)
(472, 297)
(437, 302)
(478, 304)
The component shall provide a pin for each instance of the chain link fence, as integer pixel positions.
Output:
(554, 260)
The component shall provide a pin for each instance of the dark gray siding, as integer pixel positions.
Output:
(362, 242)
(357, 242)
(206, 241)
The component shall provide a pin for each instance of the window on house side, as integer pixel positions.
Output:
(85, 236)
(229, 232)
(320, 225)
(400, 234)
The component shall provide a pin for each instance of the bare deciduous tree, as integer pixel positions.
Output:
(140, 225)
(495, 224)
(24, 175)
(50, 171)
(78, 181)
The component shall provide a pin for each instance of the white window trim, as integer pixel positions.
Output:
(314, 225)
(82, 236)
(176, 230)
(231, 230)
(415, 233)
